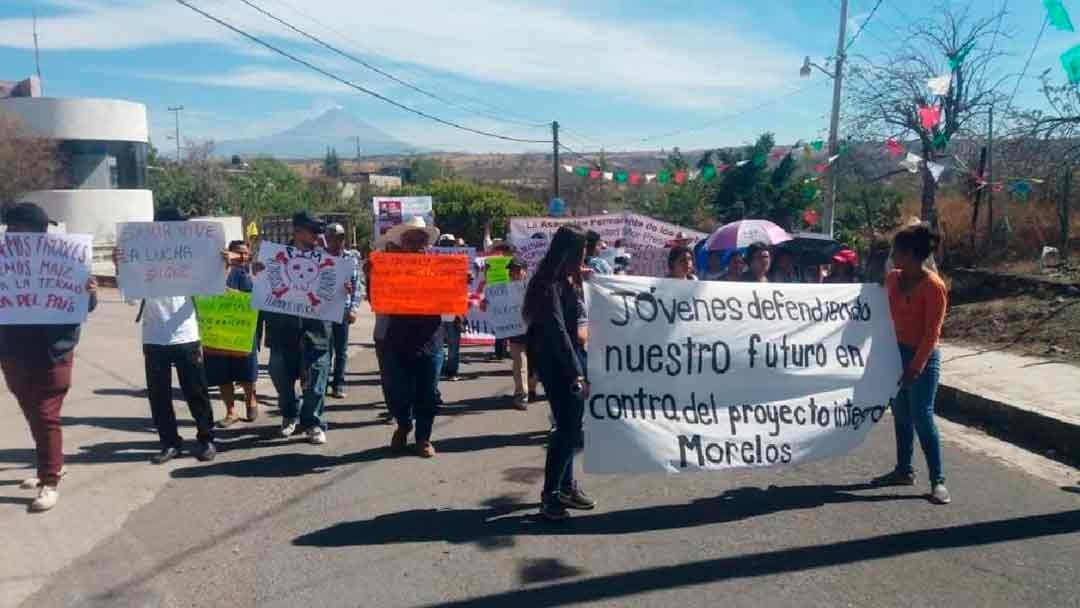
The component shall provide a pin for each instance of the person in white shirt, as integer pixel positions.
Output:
(170, 336)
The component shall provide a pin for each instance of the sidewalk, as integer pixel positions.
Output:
(1026, 400)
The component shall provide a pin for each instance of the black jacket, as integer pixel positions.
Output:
(54, 342)
(552, 338)
(290, 331)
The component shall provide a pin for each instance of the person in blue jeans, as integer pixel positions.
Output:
(918, 299)
(335, 245)
(552, 308)
(300, 348)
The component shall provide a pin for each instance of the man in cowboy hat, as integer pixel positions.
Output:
(300, 348)
(37, 361)
(412, 347)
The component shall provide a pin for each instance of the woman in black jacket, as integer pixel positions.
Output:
(553, 309)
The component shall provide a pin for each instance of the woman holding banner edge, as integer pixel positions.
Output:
(551, 310)
(918, 299)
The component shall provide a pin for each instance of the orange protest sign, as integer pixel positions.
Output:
(419, 284)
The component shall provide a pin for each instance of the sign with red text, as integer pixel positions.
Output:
(390, 211)
(158, 259)
(419, 284)
(43, 278)
(305, 283)
(699, 375)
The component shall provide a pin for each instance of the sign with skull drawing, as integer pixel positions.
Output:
(308, 284)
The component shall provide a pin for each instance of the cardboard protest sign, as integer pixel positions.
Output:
(227, 322)
(644, 232)
(498, 270)
(170, 259)
(309, 284)
(419, 284)
(43, 278)
(501, 312)
(391, 211)
(689, 375)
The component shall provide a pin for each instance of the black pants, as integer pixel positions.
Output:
(188, 361)
(569, 411)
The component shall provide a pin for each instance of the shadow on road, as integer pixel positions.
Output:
(474, 525)
(781, 561)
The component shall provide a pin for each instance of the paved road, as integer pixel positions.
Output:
(284, 523)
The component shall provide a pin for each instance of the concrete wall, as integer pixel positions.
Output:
(85, 119)
(95, 212)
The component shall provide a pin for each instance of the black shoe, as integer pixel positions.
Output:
(575, 498)
(895, 478)
(206, 452)
(166, 455)
(532, 397)
(552, 510)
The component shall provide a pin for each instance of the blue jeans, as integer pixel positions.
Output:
(411, 385)
(913, 412)
(440, 361)
(453, 350)
(341, 354)
(286, 367)
(569, 411)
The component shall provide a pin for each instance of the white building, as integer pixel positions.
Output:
(104, 144)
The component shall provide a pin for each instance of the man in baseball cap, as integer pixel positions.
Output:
(335, 245)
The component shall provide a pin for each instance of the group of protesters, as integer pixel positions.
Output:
(307, 357)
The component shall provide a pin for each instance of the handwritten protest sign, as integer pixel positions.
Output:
(691, 375)
(227, 322)
(170, 258)
(498, 270)
(531, 236)
(43, 278)
(501, 313)
(391, 211)
(309, 284)
(419, 284)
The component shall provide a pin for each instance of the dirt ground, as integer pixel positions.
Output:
(1044, 327)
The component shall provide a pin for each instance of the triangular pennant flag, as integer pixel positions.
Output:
(929, 116)
(708, 173)
(941, 141)
(1058, 16)
(680, 177)
(742, 163)
(1020, 188)
(807, 152)
(664, 177)
(778, 154)
(817, 145)
(696, 173)
(568, 168)
(621, 176)
(649, 177)
(810, 216)
(582, 171)
(822, 167)
(997, 187)
(809, 192)
(760, 160)
(608, 176)
(595, 174)
(832, 159)
(935, 169)
(955, 61)
(911, 162)
(896, 150)
(635, 179)
(1070, 60)
(940, 85)
(721, 168)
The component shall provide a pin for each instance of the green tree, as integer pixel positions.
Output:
(424, 169)
(331, 166)
(463, 208)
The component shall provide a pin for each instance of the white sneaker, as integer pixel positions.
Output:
(46, 499)
(32, 483)
(288, 427)
(316, 436)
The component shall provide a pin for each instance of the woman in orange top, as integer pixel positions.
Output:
(918, 298)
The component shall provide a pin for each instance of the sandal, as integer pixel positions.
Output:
(230, 419)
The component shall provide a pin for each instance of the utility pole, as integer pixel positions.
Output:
(357, 147)
(834, 121)
(990, 172)
(37, 55)
(176, 112)
(555, 158)
(1063, 211)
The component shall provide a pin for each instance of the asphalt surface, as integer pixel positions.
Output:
(276, 522)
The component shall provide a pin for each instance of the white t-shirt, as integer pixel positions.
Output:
(169, 320)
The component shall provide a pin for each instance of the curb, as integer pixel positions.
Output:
(1052, 437)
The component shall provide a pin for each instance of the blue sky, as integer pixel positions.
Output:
(646, 74)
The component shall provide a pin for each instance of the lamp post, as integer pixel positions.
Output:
(834, 121)
(176, 111)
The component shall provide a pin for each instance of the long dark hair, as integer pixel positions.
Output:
(564, 258)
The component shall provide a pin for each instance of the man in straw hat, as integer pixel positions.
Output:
(412, 347)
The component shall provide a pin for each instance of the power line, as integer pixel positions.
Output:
(380, 71)
(862, 27)
(1027, 64)
(353, 85)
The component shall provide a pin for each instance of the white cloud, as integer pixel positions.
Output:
(259, 78)
(677, 63)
